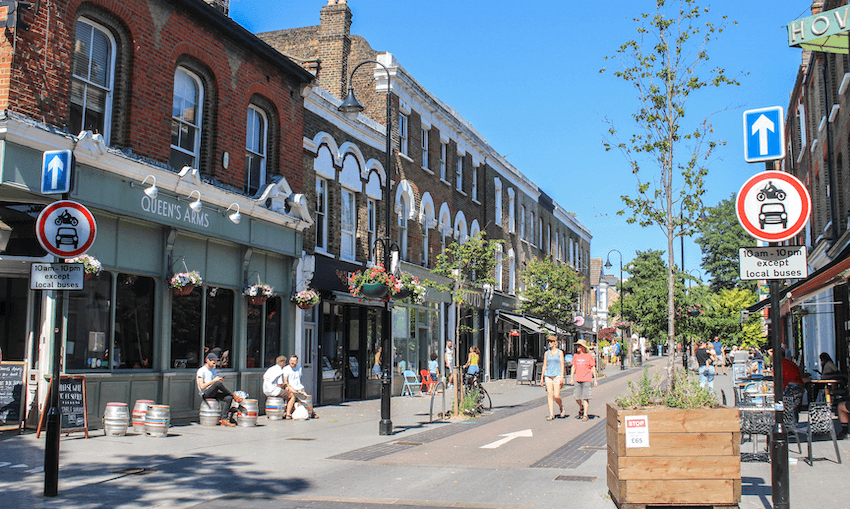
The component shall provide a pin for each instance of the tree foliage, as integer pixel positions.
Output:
(722, 317)
(666, 63)
(551, 291)
(720, 237)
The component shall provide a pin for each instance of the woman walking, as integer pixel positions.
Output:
(553, 376)
(706, 359)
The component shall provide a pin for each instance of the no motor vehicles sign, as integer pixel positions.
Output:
(66, 229)
(773, 206)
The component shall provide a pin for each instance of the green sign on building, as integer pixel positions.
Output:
(826, 31)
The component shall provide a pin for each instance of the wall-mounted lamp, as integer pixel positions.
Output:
(195, 205)
(151, 191)
(5, 235)
(185, 171)
(236, 216)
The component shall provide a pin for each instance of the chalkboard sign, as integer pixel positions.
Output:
(72, 404)
(525, 371)
(12, 391)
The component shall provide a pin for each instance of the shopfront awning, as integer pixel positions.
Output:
(526, 322)
(548, 326)
(819, 281)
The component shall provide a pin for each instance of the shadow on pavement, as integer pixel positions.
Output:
(756, 486)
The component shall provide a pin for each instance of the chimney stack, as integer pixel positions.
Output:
(334, 47)
(222, 6)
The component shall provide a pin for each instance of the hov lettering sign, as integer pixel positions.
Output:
(774, 262)
(821, 32)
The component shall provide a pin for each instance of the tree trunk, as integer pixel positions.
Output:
(455, 360)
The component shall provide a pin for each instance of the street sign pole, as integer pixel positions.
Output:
(51, 445)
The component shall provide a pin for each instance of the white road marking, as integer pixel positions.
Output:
(508, 438)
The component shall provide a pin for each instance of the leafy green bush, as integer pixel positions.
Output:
(468, 406)
(686, 393)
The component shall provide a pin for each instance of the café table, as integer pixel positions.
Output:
(824, 384)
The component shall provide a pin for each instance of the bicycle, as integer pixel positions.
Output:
(472, 383)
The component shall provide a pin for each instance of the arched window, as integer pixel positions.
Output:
(512, 271)
(92, 78)
(498, 201)
(498, 275)
(511, 210)
(186, 119)
(256, 146)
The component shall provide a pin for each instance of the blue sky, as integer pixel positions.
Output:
(526, 75)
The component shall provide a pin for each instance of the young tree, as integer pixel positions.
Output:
(470, 265)
(551, 291)
(664, 64)
(720, 238)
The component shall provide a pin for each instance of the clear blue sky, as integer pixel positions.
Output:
(526, 75)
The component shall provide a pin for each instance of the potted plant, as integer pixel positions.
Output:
(688, 453)
(372, 283)
(305, 299)
(182, 283)
(408, 285)
(259, 293)
(91, 265)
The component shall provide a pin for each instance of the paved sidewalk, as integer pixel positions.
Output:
(340, 461)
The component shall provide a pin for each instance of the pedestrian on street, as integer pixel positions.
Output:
(554, 369)
(720, 357)
(582, 375)
(211, 386)
(449, 361)
(705, 359)
(274, 384)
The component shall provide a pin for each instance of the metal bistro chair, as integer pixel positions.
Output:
(512, 368)
(756, 421)
(789, 415)
(820, 421)
(410, 383)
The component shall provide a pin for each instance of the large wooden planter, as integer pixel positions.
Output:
(693, 458)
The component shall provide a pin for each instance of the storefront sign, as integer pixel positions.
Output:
(56, 276)
(637, 431)
(174, 211)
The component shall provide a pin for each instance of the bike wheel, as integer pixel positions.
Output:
(484, 399)
(761, 197)
(780, 195)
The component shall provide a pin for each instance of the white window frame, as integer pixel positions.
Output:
(511, 210)
(475, 183)
(548, 249)
(348, 230)
(533, 225)
(424, 145)
(522, 226)
(498, 200)
(540, 235)
(109, 87)
(262, 154)
(498, 267)
(444, 150)
(459, 173)
(321, 215)
(199, 116)
(511, 272)
(403, 226)
(402, 134)
(425, 244)
(371, 226)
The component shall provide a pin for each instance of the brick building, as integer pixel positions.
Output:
(817, 128)
(157, 100)
(447, 184)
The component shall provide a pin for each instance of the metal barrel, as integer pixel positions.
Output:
(275, 408)
(116, 419)
(247, 413)
(157, 420)
(139, 411)
(210, 412)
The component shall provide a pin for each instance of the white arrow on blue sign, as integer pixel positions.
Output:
(56, 166)
(764, 134)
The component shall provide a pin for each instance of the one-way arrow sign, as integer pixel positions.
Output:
(508, 438)
(56, 169)
(764, 135)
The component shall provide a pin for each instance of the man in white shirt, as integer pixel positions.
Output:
(449, 359)
(292, 375)
(210, 386)
(274, 384)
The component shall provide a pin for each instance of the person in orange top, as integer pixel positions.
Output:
(582, 375)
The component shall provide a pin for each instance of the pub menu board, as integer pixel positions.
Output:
(72, 404)
(525, 371)
(12, 383)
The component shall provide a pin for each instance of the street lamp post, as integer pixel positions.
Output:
(622, 298)
(350, 107)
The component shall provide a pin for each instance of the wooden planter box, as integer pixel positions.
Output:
(693, 458)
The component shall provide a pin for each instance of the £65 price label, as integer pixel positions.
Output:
(637, 431)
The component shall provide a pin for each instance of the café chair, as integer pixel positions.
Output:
(756, 421)
(789, 415)
(820, 421)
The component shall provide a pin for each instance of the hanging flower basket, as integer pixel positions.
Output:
(373, 283)
(182, 283)
(408, 286)
(91, 265)
(259, 300)
(305, 299)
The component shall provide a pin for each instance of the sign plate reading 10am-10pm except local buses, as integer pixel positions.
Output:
(773, 262)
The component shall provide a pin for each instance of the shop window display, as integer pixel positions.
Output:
(263, 333)
(87, 346)
(134, 323)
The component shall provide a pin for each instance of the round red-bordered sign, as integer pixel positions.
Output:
(66, 229)
(773, 206)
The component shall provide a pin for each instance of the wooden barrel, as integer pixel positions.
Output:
(275, 408)
(157, 420)
(139, 411)
(247, 413)
(210, 412)
(116, 419)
